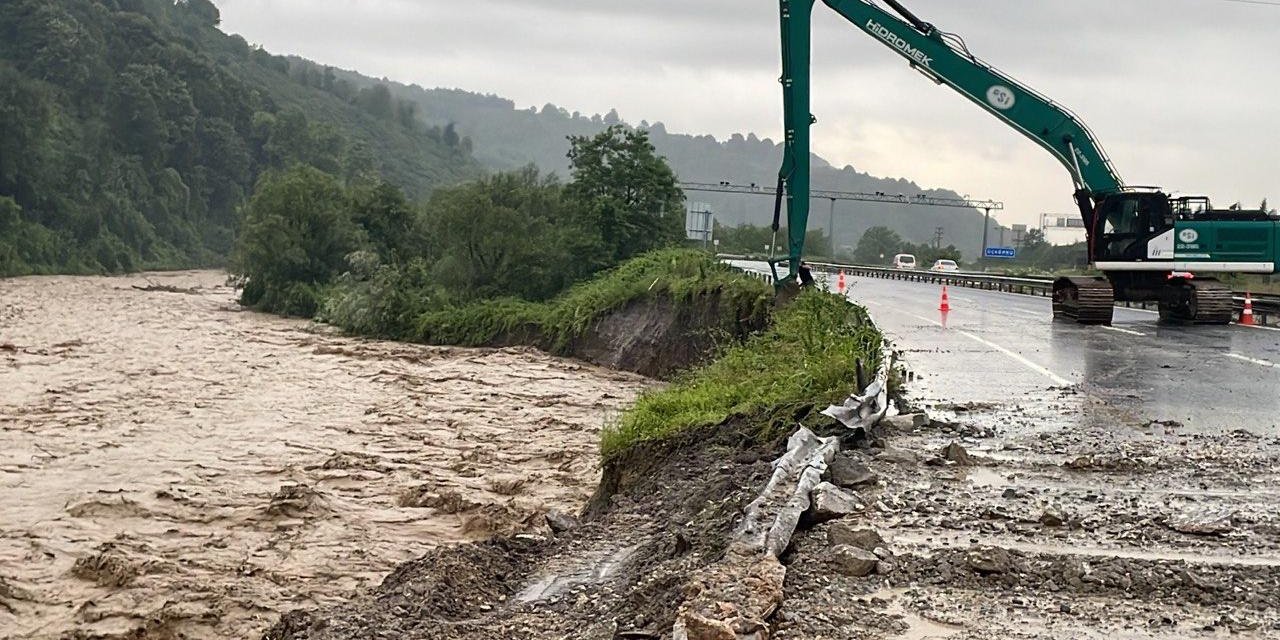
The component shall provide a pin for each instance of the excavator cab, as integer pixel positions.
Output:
(1128, 225)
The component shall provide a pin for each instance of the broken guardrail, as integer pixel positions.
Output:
(733, 598)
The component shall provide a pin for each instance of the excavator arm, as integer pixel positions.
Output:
(793, 177)
(943, 58)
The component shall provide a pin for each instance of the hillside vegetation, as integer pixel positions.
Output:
(131, 131)
(505, 137)
(375, 262)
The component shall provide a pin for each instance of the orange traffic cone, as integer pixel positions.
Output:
(946, 300)
(840, 282)
(1246, 316)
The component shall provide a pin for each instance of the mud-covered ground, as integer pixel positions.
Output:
(1020, 531)
(174, 466)
(1118, 531)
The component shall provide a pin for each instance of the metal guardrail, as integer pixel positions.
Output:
(1266, 308)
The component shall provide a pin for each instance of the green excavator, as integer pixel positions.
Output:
(1152, 247)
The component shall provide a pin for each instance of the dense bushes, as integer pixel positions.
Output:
(373, 263)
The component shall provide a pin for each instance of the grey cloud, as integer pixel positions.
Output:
(1179, 88)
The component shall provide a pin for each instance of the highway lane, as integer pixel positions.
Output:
(997, 347)
(1133, 450)
(1005, 349)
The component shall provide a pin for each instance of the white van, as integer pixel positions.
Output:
(904, 261)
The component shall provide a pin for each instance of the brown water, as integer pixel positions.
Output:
(173, 466)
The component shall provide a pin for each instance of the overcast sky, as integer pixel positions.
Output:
(1184, 94)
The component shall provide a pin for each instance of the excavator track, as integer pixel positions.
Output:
(1199, 301)
(1085, 300)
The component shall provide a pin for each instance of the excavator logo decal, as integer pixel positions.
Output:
(1001, 97)
(898, 43)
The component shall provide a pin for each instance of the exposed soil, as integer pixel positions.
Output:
(658, 337)
(621, 574)
(653, 336)
(173, 466)
(988, 532)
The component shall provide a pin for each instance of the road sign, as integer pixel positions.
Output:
(1001, 252)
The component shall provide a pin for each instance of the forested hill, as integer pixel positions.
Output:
(131, 131)
(505, 136)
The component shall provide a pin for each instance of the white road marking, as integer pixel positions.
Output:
(1063, 382)
(1120, 330)
(1058, 380)
(1256, 326)
(1264, 363)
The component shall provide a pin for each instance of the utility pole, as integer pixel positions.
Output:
(986, 225)
(937, 237)
(831, 228)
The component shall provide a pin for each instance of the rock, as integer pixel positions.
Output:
(1051, 518)
(906, 422)
(852, 561)
(828, 502)
(1201, 524)
(843, 533)
(731, 599)
(885, 567)
(957, 454)
(847, 472)
(988, 559)
(560, 522)
(898, 456)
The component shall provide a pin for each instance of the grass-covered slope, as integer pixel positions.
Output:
(680, 275)
(807, 358)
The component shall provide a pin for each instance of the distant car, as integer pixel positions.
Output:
(945, 265)
(904, 261)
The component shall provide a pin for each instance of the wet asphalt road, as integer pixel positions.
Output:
(1006, 349)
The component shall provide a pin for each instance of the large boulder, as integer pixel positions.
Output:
(848, 472)
(852, 561)
(843, 533)
(829, 502)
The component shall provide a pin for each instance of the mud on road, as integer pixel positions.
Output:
(174, 466)
(996, 524)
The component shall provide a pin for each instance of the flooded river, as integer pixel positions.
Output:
(174, 466)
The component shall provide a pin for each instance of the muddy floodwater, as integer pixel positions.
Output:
(174, 466)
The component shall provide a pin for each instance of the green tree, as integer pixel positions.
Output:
(509, 235)
(296, 235)
(1034, 239)
(383, 212)
(877, 245)
(450, 135)
(131, 132)
(750, 239)
(625, 190)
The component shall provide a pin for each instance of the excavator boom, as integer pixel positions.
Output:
(945, 59)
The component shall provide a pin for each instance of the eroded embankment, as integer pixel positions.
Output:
(681, 468)
(173, 466)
